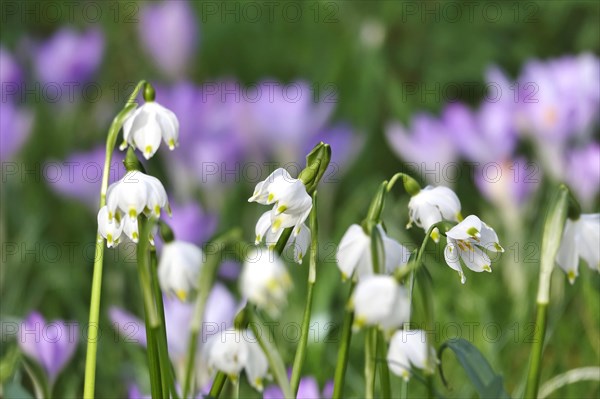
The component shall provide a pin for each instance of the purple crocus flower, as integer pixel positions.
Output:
(51, 344)
(10, 72)
(69, 56)
(15, 128)
(170, 34)
(427, 146)
(307, 389)
(80, 175)
(583, 173)
(191, 223)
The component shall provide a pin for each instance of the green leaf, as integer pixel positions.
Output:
(14, 390)
(487, 383)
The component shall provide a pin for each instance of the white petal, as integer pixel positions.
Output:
(132, 194)
(468, 229)
(130, 228)
(257, 365)
(301, 243)
(375, 299)
(148, 139)
(261, 191)
(179, 268)
(110, 230)
(262, 226)
(228, 352)
(447, 202)
(489, 239)
(352, 250)
(452, 257)
(567, 257)
(589, 240)
(396, 255)
(475, 259)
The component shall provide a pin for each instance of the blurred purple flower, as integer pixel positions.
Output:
(80, 175)
(344, 142)
(170, 34)
(428, 145)
(307, 389)
(10, 71)
(69, 56)
(134, 392)
(191, 223)
(583, 173)
(15, 128)
(51, 344)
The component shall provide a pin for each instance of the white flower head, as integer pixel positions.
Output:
(299, 241)
(147, 125)
(265, 281)
(409, 348)
(581, 239)
(354, 256)
(466, 242)
(379, 300)
(432, 205)
(179, 268)
(112, 230)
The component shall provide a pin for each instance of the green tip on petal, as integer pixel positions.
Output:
(181, 294)
(132, 213)
(459, 217)
(498, 247)
(571, 275)
(171, 144)
(487, 268)
(435, 235)
(472, 231)
(281, 209)
(270, 197)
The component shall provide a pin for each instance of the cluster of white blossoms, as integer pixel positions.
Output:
(147, 125)
(179, 268)
(432, 205)
(581, 239)
(409, 348)
(291, 206)
(265, 281)
(232, 351)
(126, 199)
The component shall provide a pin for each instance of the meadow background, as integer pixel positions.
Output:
(360, 67)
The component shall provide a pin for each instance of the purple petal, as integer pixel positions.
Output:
(131, 328)
(10, 71)
(15, 128)
(308, 388)
(191, 223)
(583, 173)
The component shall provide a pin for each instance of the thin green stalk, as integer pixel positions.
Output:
(384, 372)
(92, 342)
(342, 359)
(312, 277)
(152, 355)
(217, 385)
(533, 378)
(370, 369)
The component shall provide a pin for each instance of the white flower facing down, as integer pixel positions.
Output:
(409, 348)
(354, 256)
(147, 125)
(432, 205)
(179, 268)
(299, 241)
(112, 230)
(380, 300)
(265, 281)
(466, 242)
(291, 206)
(581, 239)
(232, 351)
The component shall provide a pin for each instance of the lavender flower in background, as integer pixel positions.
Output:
(169, 33)
(69, 56)
(191, 223)
(51, 344)
(15, 128)
(10, 72)
(307, 389)
(79, 176)
(428, 145)
(583, 173)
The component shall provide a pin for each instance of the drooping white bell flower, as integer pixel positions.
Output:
(291, 204)
(179, 268)
(432, 205)
(111, 231)
(135, 193)
(379, 300)
(354, 256)
(147, 125)
(466, 242)
(581, 239)
(265, 281)
(232, 351)
(409, 348)
(299, 241)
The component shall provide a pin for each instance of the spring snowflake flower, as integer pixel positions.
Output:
(147, 125)
(300, 240)
(232, 351)
(265, 281)
(291, 206)
(179, 268)
(432, 205)
(112, 230)
(466, 242)
(381, 301)
(135, 193)
(354, 253)
(409, 348)
(581, 239)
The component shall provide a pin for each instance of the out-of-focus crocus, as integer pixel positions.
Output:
(307, 389)
(69, 56)
(170, 34)
(427, 146)
(51, 344)
(10, 72)
(80, 175)
(15, 128)
(583, 173)
(191, 223)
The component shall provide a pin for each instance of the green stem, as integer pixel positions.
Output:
(92, 342)
(217, 385)
(312, 276)
(342, 359)
(370, 353)
(533, 378)
(384, 372)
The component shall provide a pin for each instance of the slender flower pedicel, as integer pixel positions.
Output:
(580, 239)
(466, 242)
(179, 268)
(409, 348)
(431, 205)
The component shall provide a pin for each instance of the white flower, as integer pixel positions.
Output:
(581, 239)
(179, 268)
(147, 125)
(432, 205)
(409, 348)
(291, 205)
(135, 193)
(299, 241)
(354, 255)
(265, 281)
(380, 300)
(232, 351)
(112, 230)
(466, 242)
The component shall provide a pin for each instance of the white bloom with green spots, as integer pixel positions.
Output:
(466, 244)
(178, 268)
(432, 205)
(409, 348)
(581, 239)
